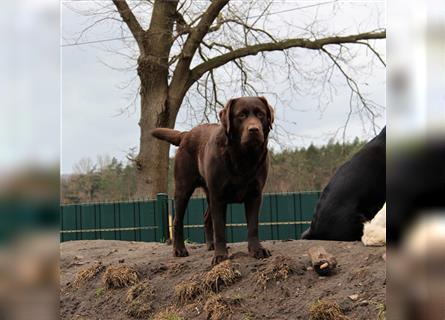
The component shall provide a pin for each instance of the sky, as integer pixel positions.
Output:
(93, 94)
(29, 84)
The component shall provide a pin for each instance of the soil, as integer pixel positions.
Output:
(152, 284)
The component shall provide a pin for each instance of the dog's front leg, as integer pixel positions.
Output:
(208, 227)
(218, 214)
(255, 248)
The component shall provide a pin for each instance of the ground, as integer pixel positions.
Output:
(135, 280)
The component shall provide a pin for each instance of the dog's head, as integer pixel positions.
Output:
(247, 120)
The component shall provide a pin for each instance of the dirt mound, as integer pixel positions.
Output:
(152, 284)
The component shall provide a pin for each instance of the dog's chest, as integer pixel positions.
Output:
(236, 190)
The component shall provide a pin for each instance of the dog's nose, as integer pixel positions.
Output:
(253, 129)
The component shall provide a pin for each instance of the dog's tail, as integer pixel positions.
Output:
(306, 234)
(172, 136)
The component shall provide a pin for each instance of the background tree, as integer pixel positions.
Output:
(301, 169)
(181, 44)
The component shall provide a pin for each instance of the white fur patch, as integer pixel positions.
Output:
(374, 231)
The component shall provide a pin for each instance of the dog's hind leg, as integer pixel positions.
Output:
(181, 200)
(185, 184)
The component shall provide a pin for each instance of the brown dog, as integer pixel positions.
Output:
(230, 162)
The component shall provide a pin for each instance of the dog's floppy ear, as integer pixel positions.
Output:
(270, 112)
(224, 115)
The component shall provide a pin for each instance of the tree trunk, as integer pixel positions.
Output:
(152, 160)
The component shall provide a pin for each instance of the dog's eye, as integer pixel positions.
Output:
(260, 115)
(242, 115)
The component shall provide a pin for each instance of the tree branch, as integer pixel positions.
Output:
(374, 51)
(197, 34)
(181, 75)
(317, 44)
(354, 90)
(131, 21)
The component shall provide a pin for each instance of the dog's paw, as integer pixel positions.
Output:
(219, 258)
(260, 253)
(180, 252)
(210, 246)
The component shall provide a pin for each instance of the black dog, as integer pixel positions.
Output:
(354, 195)
(416, 186)
(230, 162)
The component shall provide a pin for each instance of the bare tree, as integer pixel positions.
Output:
(86, 179)
(184, 43)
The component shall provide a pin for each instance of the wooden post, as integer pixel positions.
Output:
(162, 217)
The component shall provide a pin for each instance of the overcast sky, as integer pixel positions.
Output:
(29, 84)
(92, 92)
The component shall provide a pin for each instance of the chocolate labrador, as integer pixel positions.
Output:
(230, 162)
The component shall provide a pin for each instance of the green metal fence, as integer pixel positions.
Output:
(131, 221)
(282, 216)
(21, 216)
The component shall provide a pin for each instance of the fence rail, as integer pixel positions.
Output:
(282, 216)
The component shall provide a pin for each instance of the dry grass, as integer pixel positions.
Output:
(277, 269)
(171, 313)
(188, 291)
(381, 308)
(223, 274)
(88, 273)
(141, 290)
(139, 298)
(177, 268)
(217, 308)
(139, 310)
(326, 310)
(120, 276)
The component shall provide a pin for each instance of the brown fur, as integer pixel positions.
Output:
(230, 162)
(169, 135)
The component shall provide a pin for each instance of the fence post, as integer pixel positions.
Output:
(62, 235)
(162, 216)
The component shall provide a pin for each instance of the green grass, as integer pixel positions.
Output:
(99, 292)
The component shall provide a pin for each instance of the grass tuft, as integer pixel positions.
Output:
(88, 273)
(278, 269)
(326, 310)
(120, 276)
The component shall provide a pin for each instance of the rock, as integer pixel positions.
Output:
(353, 297)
